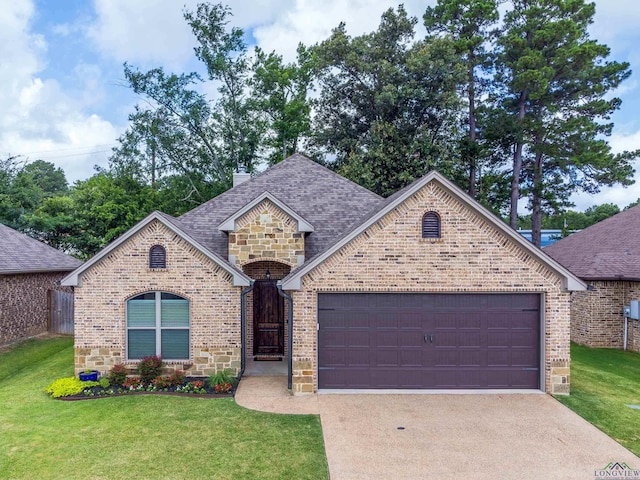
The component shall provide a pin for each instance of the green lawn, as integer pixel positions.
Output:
(603, 381)
(154, 437)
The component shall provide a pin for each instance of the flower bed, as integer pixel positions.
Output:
(192, 387)
(148, 381)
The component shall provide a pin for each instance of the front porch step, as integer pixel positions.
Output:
(267, 358)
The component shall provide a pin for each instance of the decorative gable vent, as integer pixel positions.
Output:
(157, 257)
(431, 225)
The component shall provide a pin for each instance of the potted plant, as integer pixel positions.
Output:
(89, 376)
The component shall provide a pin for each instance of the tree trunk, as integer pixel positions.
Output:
(517, 164)
(536, 197)
(472, 134)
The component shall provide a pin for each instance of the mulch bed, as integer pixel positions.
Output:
(94, 393)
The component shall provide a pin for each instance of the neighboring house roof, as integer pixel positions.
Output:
(608, 250)
(22, 254)
(293, 280)
(324, 199)
(74, 278)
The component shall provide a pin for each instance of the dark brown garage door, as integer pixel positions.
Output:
(414, 340)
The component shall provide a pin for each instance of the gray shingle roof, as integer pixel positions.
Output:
(22, 254)
(330, 202)
(608, 250)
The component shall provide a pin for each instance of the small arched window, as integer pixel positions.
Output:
(431, 225)
(157, 257)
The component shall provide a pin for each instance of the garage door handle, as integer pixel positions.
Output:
(428, 338)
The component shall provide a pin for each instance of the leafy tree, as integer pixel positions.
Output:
(387, 106)
(570, 221)
(24, 186)
(178, 132)
(280, 92)
(468, 24)
(555, 83)
(94, 213)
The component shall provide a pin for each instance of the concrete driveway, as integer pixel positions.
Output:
(462, 437)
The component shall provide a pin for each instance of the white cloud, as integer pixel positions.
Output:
(144, 32)
(38, 118)
(310, 21)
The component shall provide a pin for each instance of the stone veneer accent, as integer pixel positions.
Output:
(471, 256)
(23, 304)
(266, 233)
(100, 299)
(596, 315)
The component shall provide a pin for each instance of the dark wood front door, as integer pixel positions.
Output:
(268, 319)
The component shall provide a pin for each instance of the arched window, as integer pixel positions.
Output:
(157, 257)
(158, 324)
(431, 225)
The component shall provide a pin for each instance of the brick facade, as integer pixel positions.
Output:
(100, 302)
(266, 233)
(23, 304)
(596, 315)
(471, 256)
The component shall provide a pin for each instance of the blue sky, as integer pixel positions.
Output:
(63, 97)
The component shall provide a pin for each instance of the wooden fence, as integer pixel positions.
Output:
(60, 312)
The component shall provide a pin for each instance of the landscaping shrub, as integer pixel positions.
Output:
(160, 382)
(104, 382)
(131, 383)
(64, 387)
(149, 368)
(176, 378)
(117, 375)
(220, 378)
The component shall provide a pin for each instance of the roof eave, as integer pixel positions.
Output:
(74, 279)
(570, 282)
(37, 270)
(229, 224)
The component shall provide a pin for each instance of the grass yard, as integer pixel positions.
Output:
(603, 381)
(151, 437)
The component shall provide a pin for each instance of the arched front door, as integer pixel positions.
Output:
(268, 319)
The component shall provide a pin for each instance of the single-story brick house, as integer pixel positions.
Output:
(28, 270)
(423, 290)
(606, 256)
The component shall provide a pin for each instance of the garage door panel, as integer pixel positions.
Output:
(469, 321)
(411, 358)
(499, 339)
(429, 340)
(358, 338)
(498, 358)
(387, 358)
(471, 358)
(387, 338)
(358, 357)
(467, 339)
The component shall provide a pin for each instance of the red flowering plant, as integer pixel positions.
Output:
(132, 383)
(222, 387)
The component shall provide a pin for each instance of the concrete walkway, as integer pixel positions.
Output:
(446, 436)
(270, 394)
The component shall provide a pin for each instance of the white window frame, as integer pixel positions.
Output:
(158, 326)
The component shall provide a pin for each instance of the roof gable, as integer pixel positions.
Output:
(23, 254)
(326, 201)
(229, 224)
(608, 250)
(294, 280)
(74, 278)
